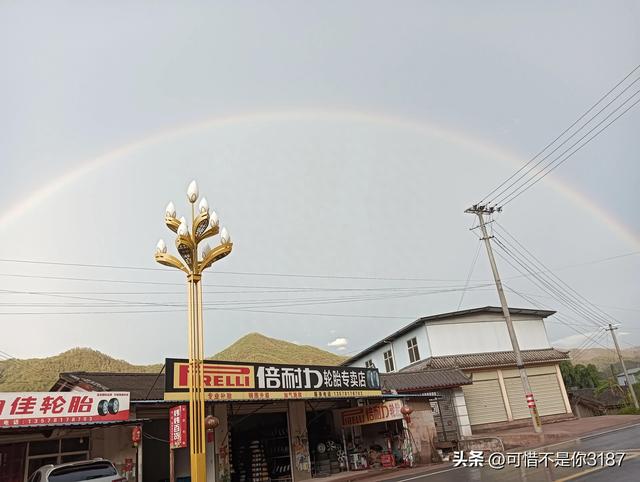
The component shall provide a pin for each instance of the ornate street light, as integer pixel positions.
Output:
(204, 224)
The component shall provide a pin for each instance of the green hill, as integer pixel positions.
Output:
(39, 374)
(255, 347)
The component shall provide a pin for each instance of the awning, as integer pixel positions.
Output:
(16, 429)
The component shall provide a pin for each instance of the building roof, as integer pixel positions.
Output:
(489, 359)
(16, 429)
(608, 398)
(422, 381)
(141, 386)
(440, 316)
(632, 371)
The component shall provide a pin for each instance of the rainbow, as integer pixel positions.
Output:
(14, 212)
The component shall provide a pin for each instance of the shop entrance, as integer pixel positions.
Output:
(325, 445)
(260, 448)
(12, 458)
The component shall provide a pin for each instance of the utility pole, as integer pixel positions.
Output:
(613, 329)
(480, 211)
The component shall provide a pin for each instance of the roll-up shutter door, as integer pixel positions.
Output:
(548, 394)
(545, 387)
(484, 401)
(517, 400)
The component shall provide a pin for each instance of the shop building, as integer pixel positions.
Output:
(282, 423)
(37, 429)
(476, 341)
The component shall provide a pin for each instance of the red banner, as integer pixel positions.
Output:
(47, 408)
(178, 427)
(376, 413)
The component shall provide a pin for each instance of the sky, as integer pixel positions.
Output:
(339, 142)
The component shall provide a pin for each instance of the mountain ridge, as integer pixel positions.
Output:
(39, 374)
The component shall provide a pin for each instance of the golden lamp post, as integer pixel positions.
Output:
(204, 224)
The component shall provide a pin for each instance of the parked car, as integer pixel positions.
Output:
(96, 470)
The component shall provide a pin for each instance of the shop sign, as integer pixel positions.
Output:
(178, 427)
(379, 412)
(46, 408)
(267, 381)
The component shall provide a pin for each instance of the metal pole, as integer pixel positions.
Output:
(535, 417)
(196, 384)
(346, 453)
(172, 468)
(624, 367)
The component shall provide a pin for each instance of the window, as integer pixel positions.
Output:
(388, 361)
(369, 364)
(414, 354)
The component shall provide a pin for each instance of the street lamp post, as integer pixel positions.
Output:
(204, 224)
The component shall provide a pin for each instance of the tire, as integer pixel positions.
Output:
(113, 406)
(103, 408)
(373, 379)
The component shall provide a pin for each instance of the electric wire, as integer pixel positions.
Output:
(604, 316)
(564, 131)
(558, 316)
(473, 265)
(545, 285)
(239, 273)
(514, 183)
(554, 165)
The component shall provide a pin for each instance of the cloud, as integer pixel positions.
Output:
(340, 342)
(341, 348)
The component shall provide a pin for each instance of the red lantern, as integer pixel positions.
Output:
(136, 435)
(211, 422)
(406, 412)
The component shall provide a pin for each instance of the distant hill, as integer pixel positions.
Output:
(603, 358)
(255, 347)
(39, 374)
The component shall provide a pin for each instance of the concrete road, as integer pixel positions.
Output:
(624, 442)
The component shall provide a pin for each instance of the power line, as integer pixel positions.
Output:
(473, 265)
(532, 168)
(565, 131)
(242, 302)
(544, 284)
(239, 273)
(571, 326)
(551, 167)
(539, 295)
(601, 314)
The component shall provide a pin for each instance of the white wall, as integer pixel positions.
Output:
(400, 350)
(449, 338)
(114, 444)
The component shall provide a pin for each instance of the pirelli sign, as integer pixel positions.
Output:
(226, 381)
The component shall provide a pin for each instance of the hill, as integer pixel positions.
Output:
(255, 347)
(39, 374)
(603, 358)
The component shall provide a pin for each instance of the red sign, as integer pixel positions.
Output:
(178, 427)
(376, 413)
(47, 408)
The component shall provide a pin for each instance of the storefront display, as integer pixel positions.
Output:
(260, 448)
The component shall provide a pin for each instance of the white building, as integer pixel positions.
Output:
(634, 377)
(477, 342)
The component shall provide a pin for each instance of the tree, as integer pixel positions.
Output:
(580, 376)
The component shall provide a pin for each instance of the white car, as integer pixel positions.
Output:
(96, 470)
